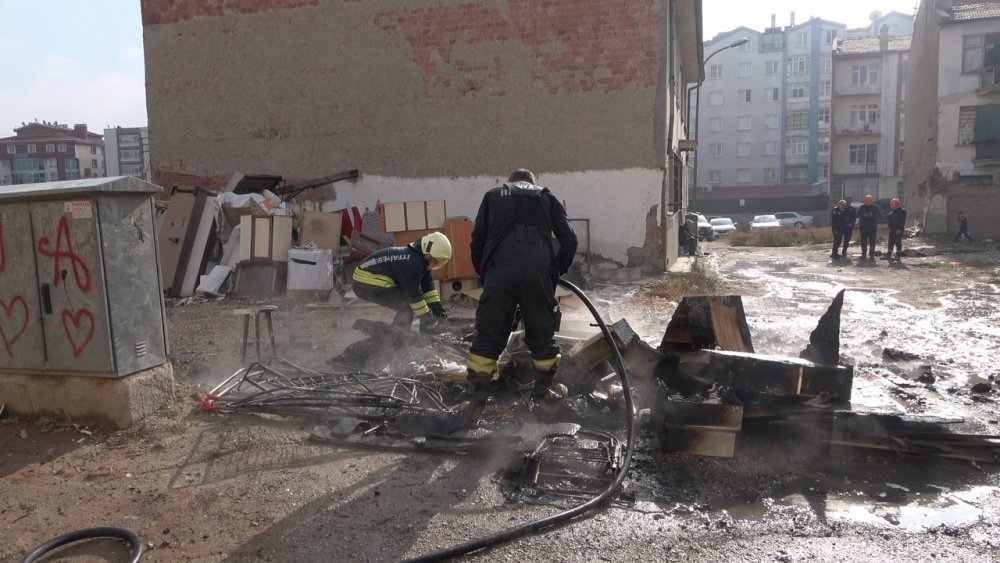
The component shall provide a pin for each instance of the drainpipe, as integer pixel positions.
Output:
(669, 148)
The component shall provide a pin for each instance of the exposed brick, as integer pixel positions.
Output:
(568, 43)
(155, 12)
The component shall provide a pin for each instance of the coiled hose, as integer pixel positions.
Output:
(128, 536)
(567, 515)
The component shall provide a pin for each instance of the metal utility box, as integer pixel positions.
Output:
(80, 288)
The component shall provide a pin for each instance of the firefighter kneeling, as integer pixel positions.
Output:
(399, 277)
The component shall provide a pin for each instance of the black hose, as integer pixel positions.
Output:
(565, 516)
(128, 536)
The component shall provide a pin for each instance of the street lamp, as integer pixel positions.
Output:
(697, 102)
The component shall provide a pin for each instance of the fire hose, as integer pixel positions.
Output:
(127, 536)
(547, 522)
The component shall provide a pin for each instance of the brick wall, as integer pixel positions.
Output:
(425, 88)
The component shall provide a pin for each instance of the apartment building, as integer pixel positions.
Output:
(763, 110)
(867, 117)
(127, 150)
(952, 158)
(49, 151)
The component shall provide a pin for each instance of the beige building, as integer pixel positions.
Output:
(953, 127)
(867, 118)
(435, 99)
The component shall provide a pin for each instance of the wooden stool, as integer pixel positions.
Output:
(256, 313)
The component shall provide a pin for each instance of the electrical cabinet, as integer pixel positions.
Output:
(80, 288)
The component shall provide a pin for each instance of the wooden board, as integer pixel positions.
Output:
(322, 228)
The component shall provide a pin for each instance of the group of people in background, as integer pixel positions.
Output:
(844, 217)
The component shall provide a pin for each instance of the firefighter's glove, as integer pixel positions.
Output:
(430, 324)
(437, 310)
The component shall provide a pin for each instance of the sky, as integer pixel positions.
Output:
(80, 61)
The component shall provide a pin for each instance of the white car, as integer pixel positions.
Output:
(722, 226)
(790, 219)
(765, 222)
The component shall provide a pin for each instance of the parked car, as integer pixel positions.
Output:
(765, 222)
(790, 219)
(722, 226)
(704, 227)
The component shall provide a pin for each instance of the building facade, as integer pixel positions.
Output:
(952, 159)
(868, 118)
(764, 108)
(47, 152)
(127, 152)
(434, 99)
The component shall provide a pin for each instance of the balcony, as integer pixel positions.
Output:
(857, 90)
(859, 129)
(989, 81)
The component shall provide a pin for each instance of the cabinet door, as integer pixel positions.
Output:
(22, 344)
(71, 286)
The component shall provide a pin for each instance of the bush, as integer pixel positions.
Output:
(781, 237)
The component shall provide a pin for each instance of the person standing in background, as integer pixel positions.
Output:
(868, 215)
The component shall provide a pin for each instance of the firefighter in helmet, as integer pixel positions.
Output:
(399, 277)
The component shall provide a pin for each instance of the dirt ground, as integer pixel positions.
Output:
(200, 486)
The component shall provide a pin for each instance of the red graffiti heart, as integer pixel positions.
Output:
(78, 337)
(8, 311)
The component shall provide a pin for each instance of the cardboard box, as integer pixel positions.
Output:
(323, 229)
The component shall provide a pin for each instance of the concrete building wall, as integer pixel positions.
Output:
(956, 90)
(921, 109)
(422, 97)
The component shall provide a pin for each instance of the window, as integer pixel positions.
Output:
(51, 163)
(715, 124)
(797, 120)
(770, 175)
(715, 150)
(743, 96)
(743, 175)
(132, 169)
(61, 147)
(715, 99)
(93, 149)
(744, 123)
(863, 154)
(864, 74)
(828, 36)
(802, 39)
(796, 174)
(128, 141)
(773, 41)
(796, 146)
(32, 149)
(128, 155)
(770, 94)
(824, 170)
(824, 116)
(800, 92)
(770, 148)
(93, 163)
(967, 124)
(746, 46)
(771, 121)
(745, 70)
(827, 64)
(742, 149)
(798, 66)
(715, 176)
(11, 149)
(824, 88)
(864, 114)
(50, 147)
(972, 52)
(53, 176)
(823, 143)
(772, 67)
(901, 152)
(714, 72)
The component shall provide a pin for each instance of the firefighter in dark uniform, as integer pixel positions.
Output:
(839, 223)
(897, 222)
(399, 277)
(514, 254)
(850, 219)
(868, 215)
